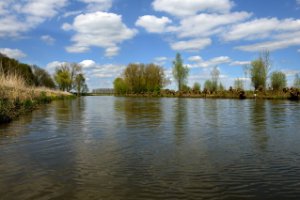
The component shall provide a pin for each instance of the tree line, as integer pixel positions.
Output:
(67, 77)
(141, 78)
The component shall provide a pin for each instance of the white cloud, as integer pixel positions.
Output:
(183, 8)
(87, 64)
(48, 39)
(271, 45)
(207, 24)
(13, 53)
(160, 60)
(98, 5)
(112, 51)
(260, 29)
(240, 63)
(191, 45)
(99, 29)
(108, 71)
(153, 24)
(22, 16)
(199, 62)
(298, 2)
(41, 10)
(71, 13)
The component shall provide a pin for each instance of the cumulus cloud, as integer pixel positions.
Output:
(261, 28)
(108, 71)
(182, 8)
(88, 64)
(191, 45)
(12, 53)
(22, 16)
(240, 63)
(98, 5)
(208, 24)
(153, 24)
(48, 39)
(99, 29)
(160, 60)
(199, 62)
(271, 45)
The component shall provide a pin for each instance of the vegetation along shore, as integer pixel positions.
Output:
(24, 87)
(149, 80)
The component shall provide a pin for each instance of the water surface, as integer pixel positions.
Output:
(153, 148)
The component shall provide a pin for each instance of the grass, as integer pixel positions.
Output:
(16, 97)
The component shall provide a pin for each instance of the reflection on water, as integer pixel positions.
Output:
(152, 148)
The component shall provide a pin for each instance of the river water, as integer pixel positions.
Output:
(153, 148)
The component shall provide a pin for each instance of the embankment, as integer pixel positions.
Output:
(17, 98)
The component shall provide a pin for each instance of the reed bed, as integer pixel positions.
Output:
(17, 97)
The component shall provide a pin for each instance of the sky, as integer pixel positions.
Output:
(106, 35)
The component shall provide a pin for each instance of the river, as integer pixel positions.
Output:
(153, 148)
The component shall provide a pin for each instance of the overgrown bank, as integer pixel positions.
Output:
(16, 97)
(288, 93)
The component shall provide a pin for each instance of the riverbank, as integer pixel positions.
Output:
(17, 98)
(291, 94)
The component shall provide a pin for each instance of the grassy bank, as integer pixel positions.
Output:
(16, 97)
(292, 94)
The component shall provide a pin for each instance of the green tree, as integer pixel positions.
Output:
(180, 72)
(141, 78)
(42, 77)
(63, 77)
(221, 87)
(75, 70)
(80, 84)
(297, 81)
(259, 70)
(258, 74)
(215, 73)
(238, 84)
(208, 85)
(197, 87)
(278, 80)
(154, 78)
(120, 87)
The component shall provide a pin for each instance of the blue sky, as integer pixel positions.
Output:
(105, 35)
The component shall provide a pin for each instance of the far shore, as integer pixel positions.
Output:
(286, 94)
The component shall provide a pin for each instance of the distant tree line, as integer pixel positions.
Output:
(67, 77)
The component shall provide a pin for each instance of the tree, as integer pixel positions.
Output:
(133, 76)
(278, 80)
(297, 81)
(259, 70)
(80, 84)
(63, 77)
(180, 72)
(215, 73)
(42, 77)
(197, 87)
(139, 78)
(208, 85)
(221, 87)
(258, 74)
(120, 86)
(154, 78)
(238, 84)
(75, 70)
